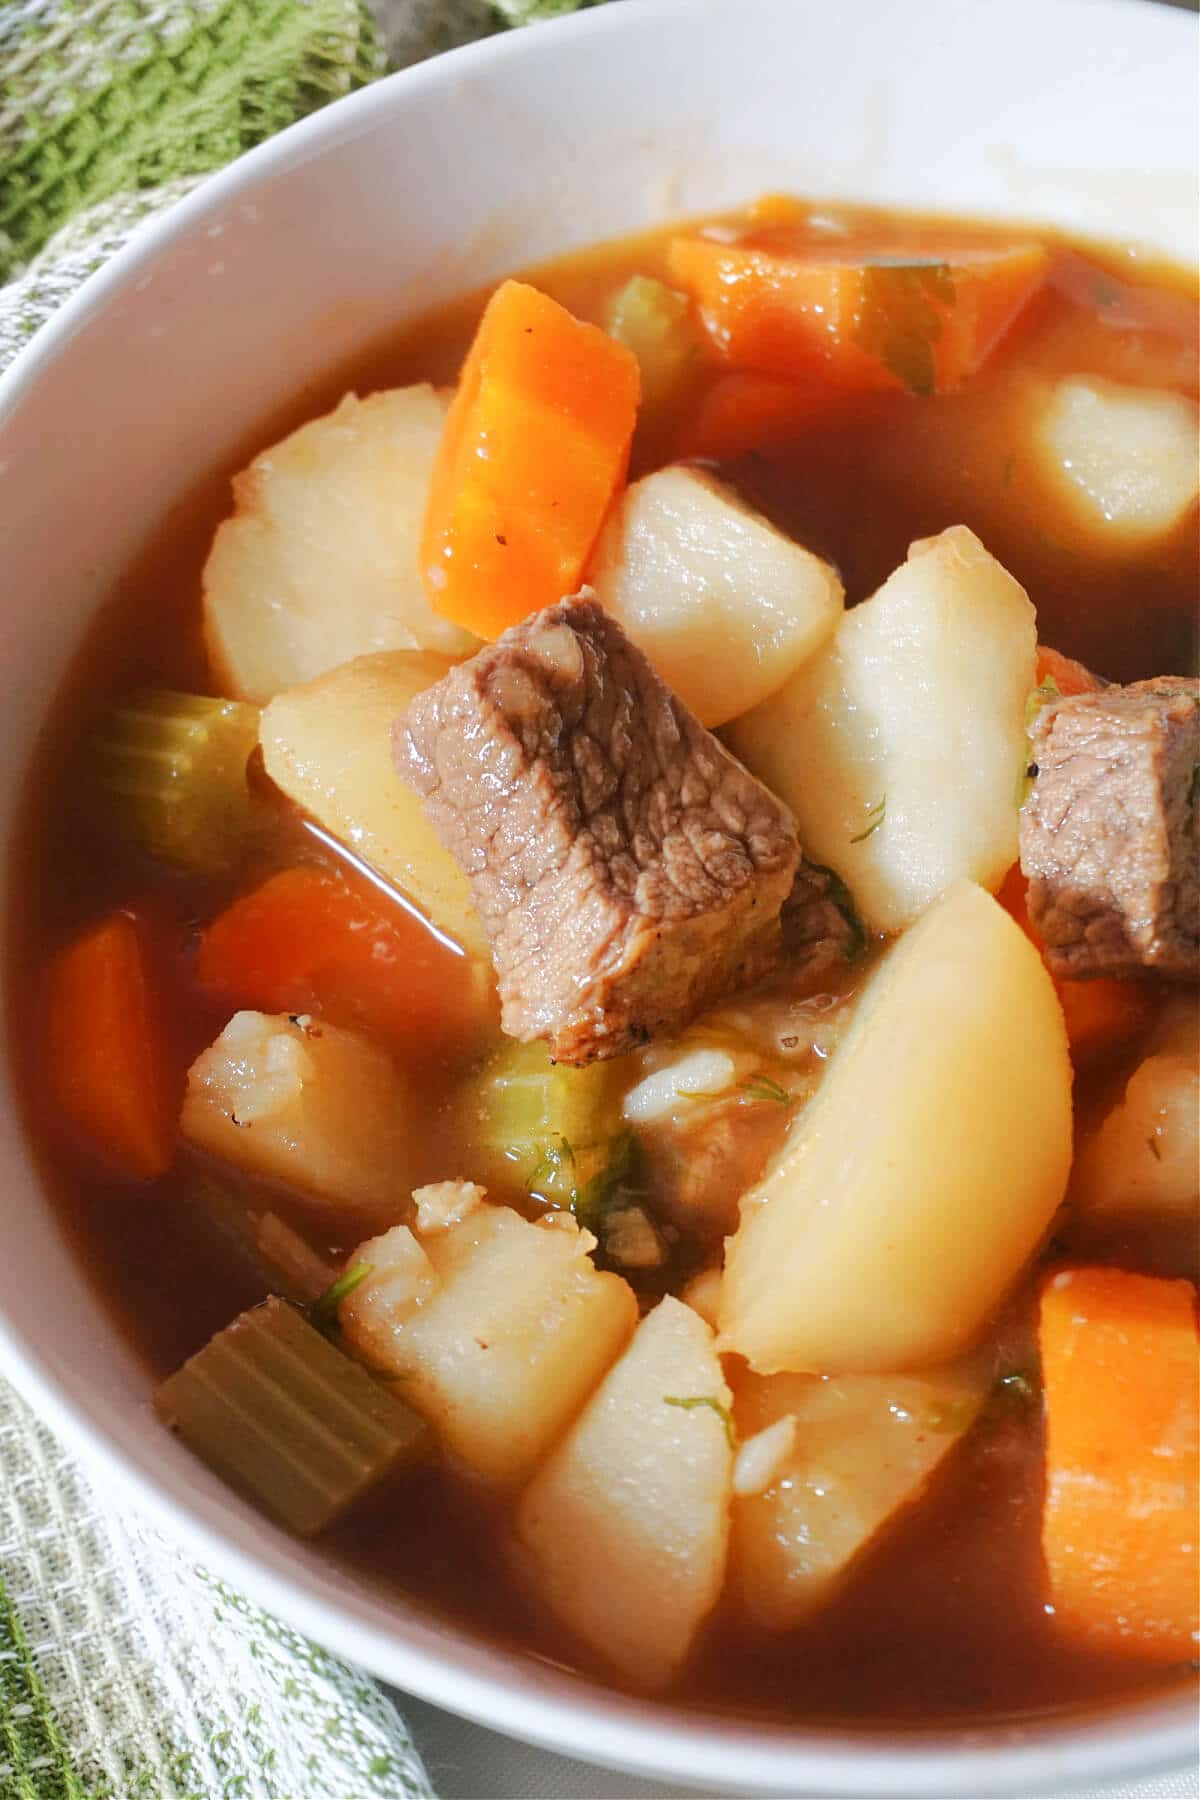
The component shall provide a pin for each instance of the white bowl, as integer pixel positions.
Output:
(1071, 112)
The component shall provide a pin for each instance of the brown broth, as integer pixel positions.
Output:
(944, 1618)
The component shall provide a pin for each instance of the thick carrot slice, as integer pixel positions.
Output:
(311, 941)
(887, 320)
(1102, 1015)
(1121, 1373)
(743, 411)
(536, 445)
(108, 1057)
(1068, 676)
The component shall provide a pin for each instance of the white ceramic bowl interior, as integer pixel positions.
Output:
(1080, 113)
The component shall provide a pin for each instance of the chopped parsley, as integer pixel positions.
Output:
(622, 1178)
(900, 318)
(689, 1402)
(875, 817)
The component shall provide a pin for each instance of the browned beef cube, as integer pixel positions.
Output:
(627, 869)
(1109, 835)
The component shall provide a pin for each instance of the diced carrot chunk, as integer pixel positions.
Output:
(920, 321)
(745, 411)
(1069, 676)
(1121, 1374)
(108, 1057)
(311, 941)
(1102, 1015)
(535, 446)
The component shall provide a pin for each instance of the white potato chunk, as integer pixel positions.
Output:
(311, 1105)
(725, 606)
(1143, 1159)
(319, 562)
(899, 746)
(859, 1449)
(624, 1533)
(918, 1181)
(327, 744)
(502, 1345)
(1124, 457)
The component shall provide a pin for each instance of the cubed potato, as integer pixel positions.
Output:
(899, 746)
(864, 1447)
(725, 606)
(1123, 457)
(319, 562)
(327, 745)
(624, 1533)
(1143, 1159)
(500, 1353)
(918, 1181)
(314, 1106)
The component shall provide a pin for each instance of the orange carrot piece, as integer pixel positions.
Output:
(744, 411)
(1121, 1374)
(1102, 1015)
(921, 320)
(108, 1056)
(1069, 676)
(311, 941)
(535, 447)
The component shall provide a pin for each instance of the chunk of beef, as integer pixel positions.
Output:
(820, 922)
(1109, 835)
(627, 869)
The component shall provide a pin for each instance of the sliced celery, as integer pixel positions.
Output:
(173, 770)
(273, 1407)
(655, 322)
(533, 1120)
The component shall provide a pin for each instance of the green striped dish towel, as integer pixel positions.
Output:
(126, 1673)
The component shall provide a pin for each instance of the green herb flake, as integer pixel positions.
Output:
(875, 817)
(554, 1178)
(1105, 292)
(1040, 697)
(1014, 1391)
(900, 318)
(761, 1087)
(324, 1311)
(621, 1178)
(689, 1402)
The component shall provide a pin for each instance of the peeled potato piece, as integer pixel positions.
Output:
(624, 1532)
(1123, 457)
(319, 562)
(899, 746)
(919, 1180)
(314, 1106)
(1143, 1159)
(724, 605)
(862, 1448)
(496, 1330)
(327, 744)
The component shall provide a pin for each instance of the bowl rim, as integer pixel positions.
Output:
(509, 1692)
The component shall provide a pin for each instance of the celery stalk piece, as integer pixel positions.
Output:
(530, 1120)
(173, 770)
(281, 1414)
(655, 322)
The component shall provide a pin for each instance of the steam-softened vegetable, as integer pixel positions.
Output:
(864, 1448)
(308, 1104)
(496, 1329)
(308, 940)
(1121, 1373)
(535, 446)
(724, 605)
(919, 1180)
(1124, 457)
(319, 562)
(274, 1408)
(880, 321)
(327, 745)
(624, 1532)
(655, 322)
(526, 1120)
(898, 746)
(172, 768)
(107, 1054)
(1143, 1159)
